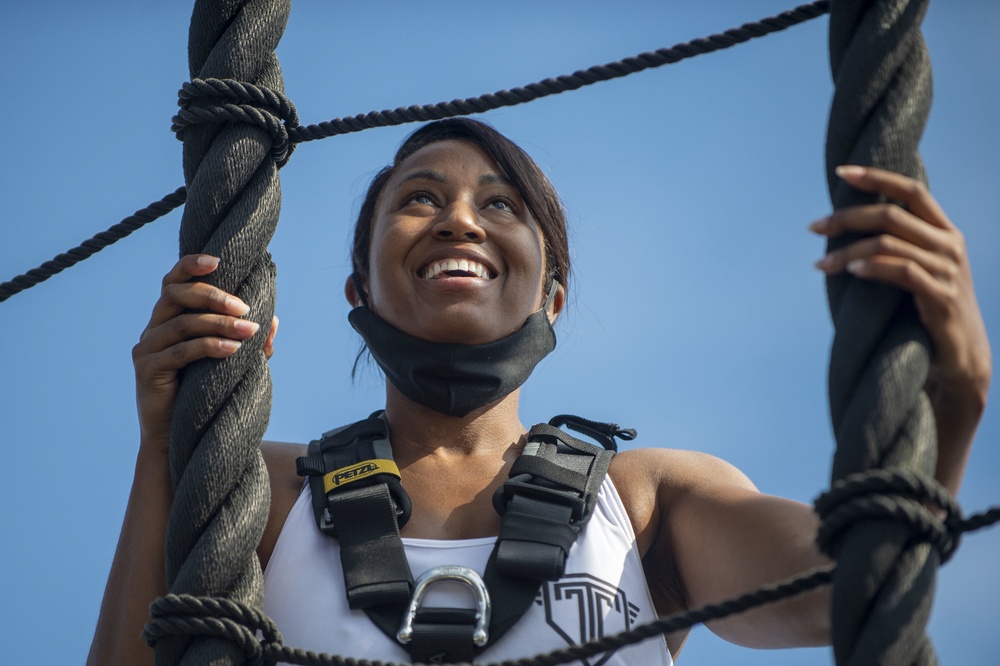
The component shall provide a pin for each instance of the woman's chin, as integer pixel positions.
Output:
(459, 326)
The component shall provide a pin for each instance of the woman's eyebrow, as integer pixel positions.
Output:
(494, 179)
(437, 177)
(425, 174)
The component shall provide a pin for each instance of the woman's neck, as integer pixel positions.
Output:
(451, 466)
(417, 431)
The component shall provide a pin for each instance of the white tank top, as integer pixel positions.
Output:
(602, 592)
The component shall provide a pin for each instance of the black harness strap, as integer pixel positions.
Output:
(549, 497)
(359, 500)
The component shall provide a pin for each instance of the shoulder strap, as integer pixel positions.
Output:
(549, 497)
(358, 499)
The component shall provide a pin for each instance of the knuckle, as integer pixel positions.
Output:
(890, 215)
(956, 251)
(910, 272)
(914, 189)
(884, 243)
(182, 326)
(215, 299)
(176, 353)
(171, 292)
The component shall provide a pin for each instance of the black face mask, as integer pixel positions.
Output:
(451, 378)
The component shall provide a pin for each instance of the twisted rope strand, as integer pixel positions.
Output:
(221, 490)
(263, 98)
(880, 355)
(92, 246)
(565, 83)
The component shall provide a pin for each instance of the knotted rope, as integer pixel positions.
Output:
(880, 358)
(221, 490)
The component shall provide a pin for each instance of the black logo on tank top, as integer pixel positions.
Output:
(581, 607)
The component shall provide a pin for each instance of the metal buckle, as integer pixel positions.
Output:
(480, 635)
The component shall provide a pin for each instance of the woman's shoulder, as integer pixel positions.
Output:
(674, 470)
(285, 488)
(651, 481)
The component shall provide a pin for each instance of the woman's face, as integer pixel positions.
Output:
(455, 254)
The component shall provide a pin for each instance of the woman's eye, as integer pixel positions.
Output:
(500, 204)
(420, 198)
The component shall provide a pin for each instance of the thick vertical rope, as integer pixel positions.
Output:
(233, 198)
(883, 587)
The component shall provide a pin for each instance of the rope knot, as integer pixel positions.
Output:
(188, 615)
(206, 101)
(889, 496)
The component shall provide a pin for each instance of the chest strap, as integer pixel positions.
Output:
(548, 498)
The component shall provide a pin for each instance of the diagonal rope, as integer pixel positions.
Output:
(267, 99)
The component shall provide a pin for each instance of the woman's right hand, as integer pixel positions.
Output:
(175, 337)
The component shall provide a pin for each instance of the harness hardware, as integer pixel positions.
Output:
(480, 635)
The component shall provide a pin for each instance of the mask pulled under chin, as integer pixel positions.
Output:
(451, 378)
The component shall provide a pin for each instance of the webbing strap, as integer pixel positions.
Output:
(443, 636)
(535, 537)
(375, 568)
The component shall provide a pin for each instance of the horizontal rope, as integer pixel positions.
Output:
(263, 99)
(210, 616)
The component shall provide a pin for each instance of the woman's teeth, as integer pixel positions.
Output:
(457, 268)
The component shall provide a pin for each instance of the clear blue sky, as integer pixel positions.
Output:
(695, 316)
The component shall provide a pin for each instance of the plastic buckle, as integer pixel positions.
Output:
(480, 634)
(514, 486)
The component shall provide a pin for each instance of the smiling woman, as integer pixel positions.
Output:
(456, 283)
(695, 314)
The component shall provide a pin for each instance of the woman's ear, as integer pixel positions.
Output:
(351, 293)
(558, 301)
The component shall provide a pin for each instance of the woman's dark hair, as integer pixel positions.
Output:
(514, 163)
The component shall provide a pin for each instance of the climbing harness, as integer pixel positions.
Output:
(547, 500)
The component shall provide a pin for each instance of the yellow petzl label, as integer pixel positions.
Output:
(361, 470)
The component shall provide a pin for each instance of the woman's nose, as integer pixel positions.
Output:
(459, 222)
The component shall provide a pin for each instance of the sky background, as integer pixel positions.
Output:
(695, 314)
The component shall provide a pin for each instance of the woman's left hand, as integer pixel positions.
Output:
(918, 249)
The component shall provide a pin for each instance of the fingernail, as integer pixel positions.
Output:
(825, 264)
(230, 345)
(820, 225)
(855, 266)
(237, 306)
(850, 171)
(246, 326)
(207, 261)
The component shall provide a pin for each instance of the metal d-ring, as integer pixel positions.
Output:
(480, 635)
